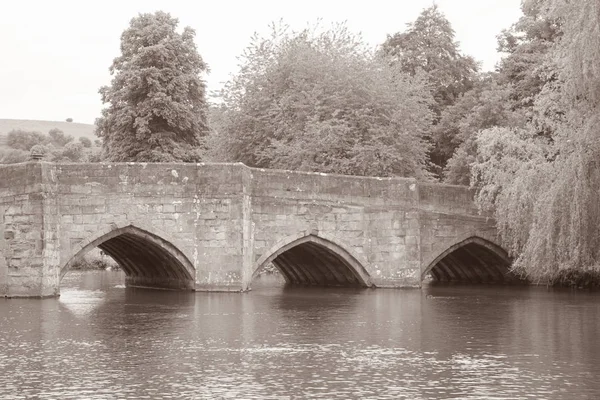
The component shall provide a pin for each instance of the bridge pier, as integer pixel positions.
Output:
(214, 226)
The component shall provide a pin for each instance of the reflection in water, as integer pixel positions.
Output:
(102, 341)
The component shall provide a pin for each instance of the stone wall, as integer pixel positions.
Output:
(375, 219)
(197, 208)
(23, 246)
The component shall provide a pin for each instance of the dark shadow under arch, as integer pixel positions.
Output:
(473, 260)
(312, 260)
(147, 259)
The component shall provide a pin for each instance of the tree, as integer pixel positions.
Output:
(428, 46)
(24, 140)
(58, 137)
(217, 144)
(73, 152)
(527, 69)
(56, 146)
(69, 120)
(86, 142)
(156, 107)
(39, 149)
(485, 106)
(525, 89)
(13, 156)
(546, 203)
(321, 101)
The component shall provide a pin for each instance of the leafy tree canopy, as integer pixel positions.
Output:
(55, 146)
(525, 89)
(428, 45)
(13, 156)
(321, 101)
(156, 108)
(24, 140)
(86, 142)
(485, 106)
(58, 137)
(544, 188)
(527, 43)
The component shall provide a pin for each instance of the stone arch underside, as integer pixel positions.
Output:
(313, 260)
(147, 259)
(473, 260)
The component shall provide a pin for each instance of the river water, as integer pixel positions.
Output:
(100, 340)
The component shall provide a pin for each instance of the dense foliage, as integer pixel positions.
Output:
(156, 101)
(54, 146)
(511, 96)
(322, 101)
(428, 47)
(544, 184)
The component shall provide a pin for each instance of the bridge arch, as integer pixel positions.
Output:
(471, 259)
(311, 259)
(146, 258)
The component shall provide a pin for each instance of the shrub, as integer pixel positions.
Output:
(87, 143)
(13, 156)
(58, 137)
(24, 140)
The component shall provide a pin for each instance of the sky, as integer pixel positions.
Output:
(55, 55)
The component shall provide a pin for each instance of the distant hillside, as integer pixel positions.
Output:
(69, 128)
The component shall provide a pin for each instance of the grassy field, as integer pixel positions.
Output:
(69, 128)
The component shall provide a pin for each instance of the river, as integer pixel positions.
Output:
(100, 340)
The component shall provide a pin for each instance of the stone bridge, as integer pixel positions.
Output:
(214, 226)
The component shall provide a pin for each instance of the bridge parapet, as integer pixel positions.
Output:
(450, 199)
(332, 187)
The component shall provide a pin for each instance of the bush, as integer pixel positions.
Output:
(39, 149)
(87, 143)
(95, 155)
(58, 137)
(13, 156)
(24, 140)
(72, 152)
(577, 278)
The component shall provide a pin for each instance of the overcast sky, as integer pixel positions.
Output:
(56, 54)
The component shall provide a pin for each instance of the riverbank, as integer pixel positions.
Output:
(587, 279)
(96, 260)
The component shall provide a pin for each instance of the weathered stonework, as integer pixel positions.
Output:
(212, 226)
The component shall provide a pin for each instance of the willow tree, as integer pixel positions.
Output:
(322, 101)
(156, 106)
(546, 203)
